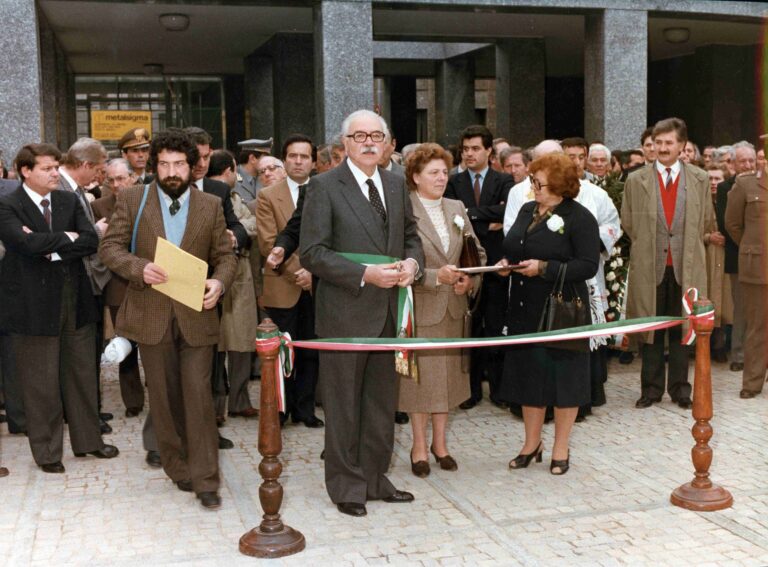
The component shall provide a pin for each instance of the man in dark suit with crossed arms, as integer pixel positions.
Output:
(49, 309)
(484, 191)
(359, 208)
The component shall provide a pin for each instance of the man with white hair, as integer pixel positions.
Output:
(744, 161)
(361, 209)
(599, 162)
(271, 170)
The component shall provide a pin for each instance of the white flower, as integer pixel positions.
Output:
(615, 287)
(556, 223)
(619, 262)
(612, 303)
(610, 276)
(458, 220)
(614, 265)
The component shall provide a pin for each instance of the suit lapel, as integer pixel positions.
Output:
(361, 207)
(487, 189)
(457, 236)
(285, 202)
(195, 219)
(152, 213)
(32, 212)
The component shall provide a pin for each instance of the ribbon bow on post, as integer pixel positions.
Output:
(283, 362)
(694, 311)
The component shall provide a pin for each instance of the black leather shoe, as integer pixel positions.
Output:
(55, 468)
(106, 428)
(225, 443)
(322, 455)
(132, 412)
(184, 485)
(468, 404)
(401, 418)
(210, 500)
(500, 404)
(153, 459)
(106, 452)
(106, 416)
(352, 509)
(283, 417)
(645, 402)
(685, 403)
(4, 472)
(737, 366)
(399, 496)
(746, 394)
(312, 422)
(3, 418)
(626, 358)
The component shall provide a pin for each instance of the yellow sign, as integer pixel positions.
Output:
(112, 124)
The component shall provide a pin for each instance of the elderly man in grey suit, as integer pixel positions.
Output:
(359, 208)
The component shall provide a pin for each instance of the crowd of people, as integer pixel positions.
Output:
(326, 241)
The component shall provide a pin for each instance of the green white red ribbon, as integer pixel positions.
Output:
(693, 311)
(283, 362)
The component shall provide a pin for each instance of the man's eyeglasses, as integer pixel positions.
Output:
(361, 137)
(269, 168)
(536, 183)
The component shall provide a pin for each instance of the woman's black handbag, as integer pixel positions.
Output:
(559, 313)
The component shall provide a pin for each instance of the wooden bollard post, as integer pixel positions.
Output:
(701, 494)
(272, 538)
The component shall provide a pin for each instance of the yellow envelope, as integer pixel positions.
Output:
(186, 274)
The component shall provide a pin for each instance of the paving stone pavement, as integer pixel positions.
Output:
(612, 508)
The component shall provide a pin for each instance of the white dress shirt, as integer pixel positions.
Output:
(37, 199)
(361, 179)
(662, 169)
(294, 189)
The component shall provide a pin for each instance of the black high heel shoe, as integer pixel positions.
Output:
(522, 461)
(562, 465)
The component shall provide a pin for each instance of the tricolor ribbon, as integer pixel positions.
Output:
(406, 326)
(628, 326)
(283, 362)
(694, 312)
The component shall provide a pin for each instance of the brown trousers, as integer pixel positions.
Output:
(755, 336)
(57, 378)
(179, 382)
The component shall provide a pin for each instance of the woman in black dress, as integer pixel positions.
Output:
(551, 231)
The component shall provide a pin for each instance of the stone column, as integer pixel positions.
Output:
(294, 85)
(521, 72)
(20, 89)
(343, 63)
(454, 98)
(615, 77)
(259, 97)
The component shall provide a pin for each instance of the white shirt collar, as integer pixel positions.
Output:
(36, 197)
(662, 169)
(361, 177)
(294, 189)
(71, 182)
(199, 183)
(184, 196)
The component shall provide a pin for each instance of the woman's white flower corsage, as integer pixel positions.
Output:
(555, 223)
(458, 220)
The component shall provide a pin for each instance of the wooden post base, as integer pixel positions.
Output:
(701, 499)
(257, 543)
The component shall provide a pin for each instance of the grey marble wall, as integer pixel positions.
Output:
(343, 63)
(259, 96)
(20, 90)
(521, 70)
(615, 77)
(454, 98)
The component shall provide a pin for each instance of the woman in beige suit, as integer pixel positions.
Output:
(440, 300)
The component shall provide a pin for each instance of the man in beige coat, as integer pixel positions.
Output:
(666, 211)
(746, 220)
(287, 296)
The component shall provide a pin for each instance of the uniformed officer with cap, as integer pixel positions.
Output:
(135, 147)
(251, 151)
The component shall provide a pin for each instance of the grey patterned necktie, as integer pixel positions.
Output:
(175, 206)
(86, 205)
(375, 199)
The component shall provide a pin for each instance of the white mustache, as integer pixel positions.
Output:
(370, 150)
